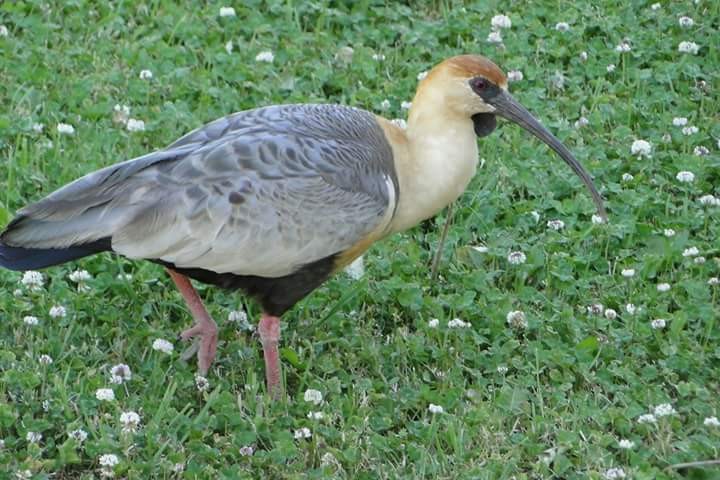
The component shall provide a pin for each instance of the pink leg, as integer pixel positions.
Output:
(269, 330)
(204, 327)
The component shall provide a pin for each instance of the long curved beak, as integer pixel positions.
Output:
(507, 107)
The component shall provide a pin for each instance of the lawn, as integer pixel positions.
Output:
(597, 357)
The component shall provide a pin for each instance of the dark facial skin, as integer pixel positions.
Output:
(509, 108)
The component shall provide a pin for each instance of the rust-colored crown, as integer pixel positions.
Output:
(473, 66)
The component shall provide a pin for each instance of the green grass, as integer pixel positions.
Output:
(575, 383)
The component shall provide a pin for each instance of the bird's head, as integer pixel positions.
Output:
(474, 87)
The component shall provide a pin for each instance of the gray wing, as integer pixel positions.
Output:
(260, 192)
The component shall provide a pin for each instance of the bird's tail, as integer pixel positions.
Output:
(21, 258)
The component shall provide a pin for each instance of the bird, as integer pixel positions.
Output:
(273, 200)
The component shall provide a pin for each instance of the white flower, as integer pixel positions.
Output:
(57, 311)
(356, 269)
(400, 122)
(641, 148)
(38, 127)
(246, 451)
(679, 121)
(266, 56)
(516, 258)
(406, 105)
(108, 460)
(78, 435)
(663, 410)
(120, 373)
(227, 12)
(658, 324)
(595, 309)
(514, 76)
(583, 56)
(145, 75)
(23, 474)
(610, 314)
(556, 224)
(614, 473)
(105, 394)
(33, 437)
(433, 323)
(628, 272)
(315, 415)
(686, 22)
(385, 104)
(630, 308)
(500, 21)
(711, 422)
(238, 316)
(45, 359)
(33, 280)
(162, 345)
(623, 47)
(422, 75)
(685, 176)
(582, 122)
(626, 177)
(562, 27)
(691, 252)
(313, 396)
(241, 318)
(134, 125)
(610, 68)
(699, 260)
(457, 323)
(626, 444)
(669, 232)
(435, 408)
(229, 47)
(557, 80)
(345, 55)
(30, 320)
(4, 32)
(378, 57)
(691, 130)
(597, 219)
(655, 6)
(121, 113)
(124, 276)
(700, 151)
(663, 287)
(712, 281)
(494, 37)
(688, 47)
(202, 383)
(65, 129)
(647, 418)
(328, 459)
(80, 276)
(516, 319)
(302, 433)
(130, 421)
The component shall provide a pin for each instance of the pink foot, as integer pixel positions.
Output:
(205, 328)
(207, 332)
(269, 330)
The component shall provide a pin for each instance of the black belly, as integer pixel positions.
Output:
(275, 295)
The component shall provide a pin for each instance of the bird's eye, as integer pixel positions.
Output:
(478, 84)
